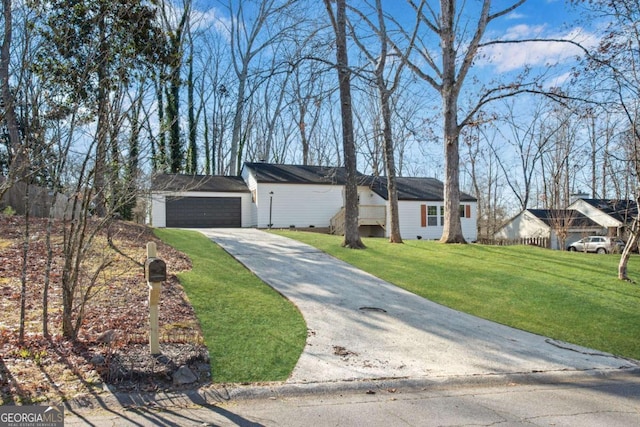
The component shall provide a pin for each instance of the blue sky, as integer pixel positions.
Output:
(535, 19)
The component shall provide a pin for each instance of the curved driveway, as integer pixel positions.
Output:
(361, 327)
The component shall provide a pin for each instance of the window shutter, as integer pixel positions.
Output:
(423, 215)
(467, 211)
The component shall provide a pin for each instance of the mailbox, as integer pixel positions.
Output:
(155, 270)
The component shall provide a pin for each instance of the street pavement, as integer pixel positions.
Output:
(590, 400)
(378, 355)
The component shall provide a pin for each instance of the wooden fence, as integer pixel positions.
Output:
(41, 201)
(542, 242)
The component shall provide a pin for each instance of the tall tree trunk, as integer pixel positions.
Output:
(302, 110)
(626, 253)
(207, 144)
(48, 268)
(160, 158)
(351, 234)
(192, 157)
(18, 165)
(25, 261)
(452, 230)
(390, 167)
(101, 156)
(173, 101)
(100, 168)
(236, 133)
(387, 133)
(176, 39)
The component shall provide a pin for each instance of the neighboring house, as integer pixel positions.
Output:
(614, 215)
(294, 196)
(584, 217)
(559, 227)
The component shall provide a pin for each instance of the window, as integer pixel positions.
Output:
(432, 216)
(428, 216)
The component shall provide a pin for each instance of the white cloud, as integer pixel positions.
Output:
(515, 15)
(558, 81)
(523, 30)
(514, 56)
(210, 19)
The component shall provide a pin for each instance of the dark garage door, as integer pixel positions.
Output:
(203, 212)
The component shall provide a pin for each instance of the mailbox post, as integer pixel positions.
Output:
(155, 271)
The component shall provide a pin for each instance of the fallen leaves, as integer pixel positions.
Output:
(53, 369)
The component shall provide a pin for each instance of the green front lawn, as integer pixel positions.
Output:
(253, 334)
(574, 297)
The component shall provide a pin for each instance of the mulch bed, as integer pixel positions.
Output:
(112, 346)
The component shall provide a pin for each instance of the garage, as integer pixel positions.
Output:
(204, 212)
(200, 201)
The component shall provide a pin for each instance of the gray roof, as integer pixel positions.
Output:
(621, 210)
(427, 189)
(214, 183)
(569, 218)
(300, 174)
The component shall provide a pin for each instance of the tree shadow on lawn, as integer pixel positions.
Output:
(450, 342)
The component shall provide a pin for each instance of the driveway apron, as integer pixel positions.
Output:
(361, 327)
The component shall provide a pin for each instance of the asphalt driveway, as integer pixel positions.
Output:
(361, 327)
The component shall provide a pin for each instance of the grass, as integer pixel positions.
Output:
(574, 297)
(253, 334)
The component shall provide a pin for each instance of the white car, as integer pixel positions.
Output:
(598, 244)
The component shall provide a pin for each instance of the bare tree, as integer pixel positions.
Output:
(249, 38)
(176, 31)
(615, 61)
(530, 140)
(273, 105)
(560, 162)
(216, 100)
(386, 86)
(192, 148)
(339, 23)
(457, 56)
(307, 94)
(634, 231)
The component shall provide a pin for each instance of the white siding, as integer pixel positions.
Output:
(300, 205)
(158, 211)
(250, 180)
(524, 225)
(470, 225)
(158, 205)
(367, 197)
(411, 221)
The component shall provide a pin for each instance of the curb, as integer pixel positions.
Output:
(225, 393)
(236, 392)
